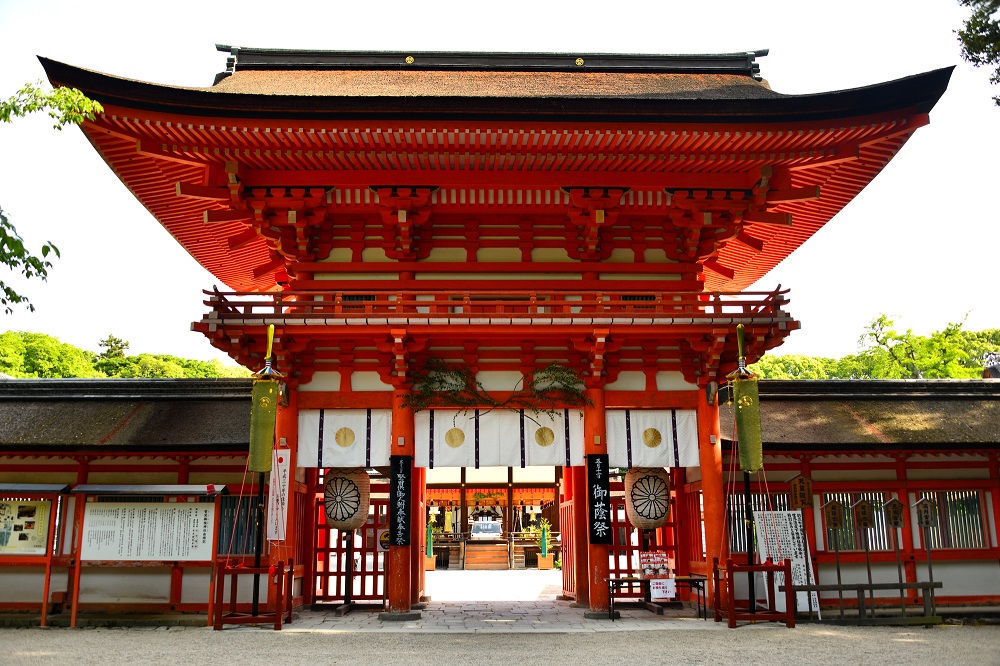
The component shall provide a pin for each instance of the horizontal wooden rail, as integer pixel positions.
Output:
(473, 305)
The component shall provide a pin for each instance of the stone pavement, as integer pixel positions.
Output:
(515, 618)
(499, 601)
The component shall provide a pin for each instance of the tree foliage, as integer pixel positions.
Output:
(886, 353)
(35, 355)
(65, 106)
(980, 36)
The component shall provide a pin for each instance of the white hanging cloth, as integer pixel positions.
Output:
(344, 437)
(652, 437)
(497, 438)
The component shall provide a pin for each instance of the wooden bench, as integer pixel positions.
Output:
(866, 610)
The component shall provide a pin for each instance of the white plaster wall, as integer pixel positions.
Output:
(24, 584)
(628, 381)
(673, 381)
(500, 380)
(948, 473)
(968, 578)
(125, 585)
(367, 381)
(323, 381)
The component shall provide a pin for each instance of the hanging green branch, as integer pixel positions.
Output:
(438, 384)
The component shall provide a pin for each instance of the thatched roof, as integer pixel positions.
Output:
(877, 415)
(133, 415)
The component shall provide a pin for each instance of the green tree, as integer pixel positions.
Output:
(980, 36)
(65, 106)
(36, 355)
(793, 366)
(886, 353)
(112, 361)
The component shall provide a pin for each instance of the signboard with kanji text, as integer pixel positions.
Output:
(599, 499)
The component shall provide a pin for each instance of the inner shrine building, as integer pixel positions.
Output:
(501, 219)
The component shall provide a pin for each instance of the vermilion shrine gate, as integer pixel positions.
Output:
(502, 213)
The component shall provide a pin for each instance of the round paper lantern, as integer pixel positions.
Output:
(647, 497)
(346, 497)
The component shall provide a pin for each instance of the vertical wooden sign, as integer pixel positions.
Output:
(833, 511)
(800, 493)
(926, 513)
(864, 514)
(599, 499)
(400, 479)
(894, 511)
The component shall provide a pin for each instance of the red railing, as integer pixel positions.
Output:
(473, 304)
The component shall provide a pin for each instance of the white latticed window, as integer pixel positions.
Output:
(959, 519)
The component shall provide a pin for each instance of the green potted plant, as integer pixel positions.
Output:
(544, 540)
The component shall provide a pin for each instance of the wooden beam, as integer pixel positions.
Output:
(720, 269)
(764, 217)
(242, 239)
(793, 194)
(750, 241)
(216, 216)
(155, 149)
(202, 192)
(498, 179)
(269, 267)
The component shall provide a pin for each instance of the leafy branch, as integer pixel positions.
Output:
(14, 255)
(67, 106)
(438, 384)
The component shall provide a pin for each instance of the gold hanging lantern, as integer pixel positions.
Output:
(263, 413)
(746, 403)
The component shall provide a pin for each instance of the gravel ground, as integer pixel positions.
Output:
(757, 644)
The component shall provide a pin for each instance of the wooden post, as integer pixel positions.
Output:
(580, 534)
(400, 557)
(418, 514)
(712, 490)
(595, 442)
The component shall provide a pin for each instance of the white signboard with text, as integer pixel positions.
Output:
(277, 500)
(148, 531)
(780, 536)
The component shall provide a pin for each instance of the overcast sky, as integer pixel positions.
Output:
(919, 243)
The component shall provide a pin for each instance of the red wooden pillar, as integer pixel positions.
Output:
(907, 546)
(286, 429)
(713, 493)
(681, 531)
(418, 513)
(994, 494)
(595, 442)
(401, 557)
(578, 481)
(809, 524)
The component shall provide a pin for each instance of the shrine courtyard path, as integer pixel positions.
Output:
(495, 619)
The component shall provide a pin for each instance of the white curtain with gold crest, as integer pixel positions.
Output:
(652, 437)
(344, 437)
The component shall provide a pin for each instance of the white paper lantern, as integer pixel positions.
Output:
(647, 497)
(346, 497)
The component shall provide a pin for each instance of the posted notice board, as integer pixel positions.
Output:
(148, 531)
(24, 527)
